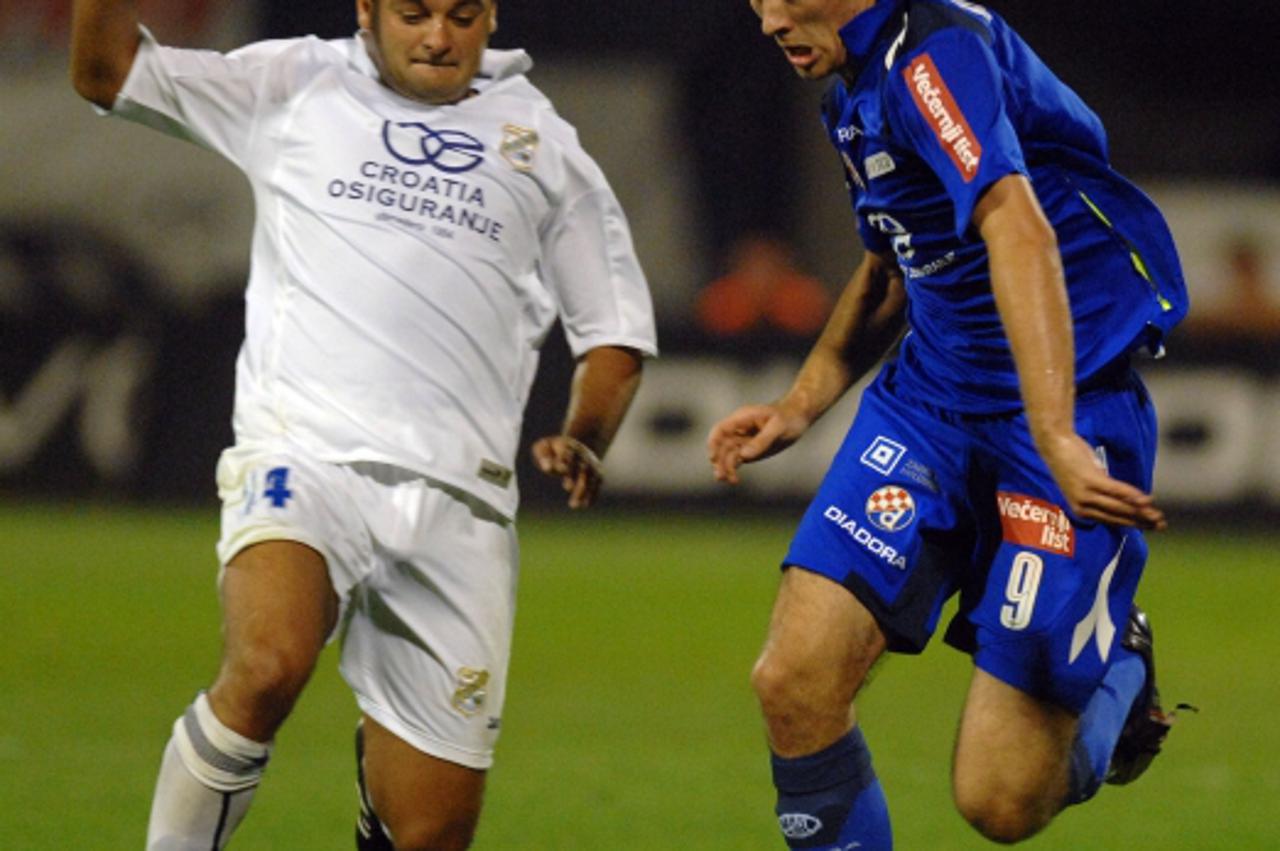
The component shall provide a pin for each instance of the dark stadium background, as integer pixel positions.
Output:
(1186, 90)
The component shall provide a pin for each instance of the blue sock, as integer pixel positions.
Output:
(833, 799)
(1101, 722)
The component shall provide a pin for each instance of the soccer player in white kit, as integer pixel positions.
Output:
(423, 216)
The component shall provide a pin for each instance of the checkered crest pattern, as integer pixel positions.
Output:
(891, 508)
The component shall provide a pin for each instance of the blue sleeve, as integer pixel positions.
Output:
(948, 98)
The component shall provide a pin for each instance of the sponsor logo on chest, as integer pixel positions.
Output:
(429, 179)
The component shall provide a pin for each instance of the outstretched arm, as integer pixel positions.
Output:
(104, 40)
(603, 386)
(1031, 296)
(865, 322)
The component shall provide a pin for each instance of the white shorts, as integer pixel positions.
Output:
(425, 576)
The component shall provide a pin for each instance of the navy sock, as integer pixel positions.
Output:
(1101, 722)
(833, 799)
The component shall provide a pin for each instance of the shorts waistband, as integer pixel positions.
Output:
(1116, 376)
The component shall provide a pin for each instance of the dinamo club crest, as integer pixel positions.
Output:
(891, 508)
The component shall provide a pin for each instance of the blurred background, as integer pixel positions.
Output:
(123, 253)
(123, 257)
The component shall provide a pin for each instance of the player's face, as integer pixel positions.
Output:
(428, 50)
(808, 31)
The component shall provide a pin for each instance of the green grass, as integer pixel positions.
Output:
(629, 722)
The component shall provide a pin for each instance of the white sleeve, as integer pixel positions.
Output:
(590, 264)
(202, 96)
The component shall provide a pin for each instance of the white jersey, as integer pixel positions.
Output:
(408, 260)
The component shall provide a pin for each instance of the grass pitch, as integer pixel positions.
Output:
(629, 723)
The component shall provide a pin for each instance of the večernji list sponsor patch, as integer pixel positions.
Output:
(940, 110)
(1036, 523)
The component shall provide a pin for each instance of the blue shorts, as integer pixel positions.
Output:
(920, 504)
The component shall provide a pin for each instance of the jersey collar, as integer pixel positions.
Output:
(497, 65)
(358, 56)
(862, 34)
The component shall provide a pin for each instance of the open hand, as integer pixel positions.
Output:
(1094, 495)
(751, 433)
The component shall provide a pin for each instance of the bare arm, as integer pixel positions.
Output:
(864, 324)
(104, 41)
(1031, 296)
(603, 386)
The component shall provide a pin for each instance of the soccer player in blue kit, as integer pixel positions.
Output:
(1005, 454)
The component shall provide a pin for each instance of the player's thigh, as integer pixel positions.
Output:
(822, 640)
(1048, 623)
(1012, 749)
(889, 522)
(1059, 590)
(426, 642)
(278, 607)
(285, 542)
(276, 594)
(285, 514)
(423, 800)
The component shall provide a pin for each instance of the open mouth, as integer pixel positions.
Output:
(801, 56)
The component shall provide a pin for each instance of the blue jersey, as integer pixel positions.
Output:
(945, 100)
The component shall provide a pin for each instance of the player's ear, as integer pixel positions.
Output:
(493, 17)
(365, 14)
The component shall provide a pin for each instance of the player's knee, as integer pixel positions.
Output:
(434, 833)
(793, 696)
(267, 679)
(776, 687)
(1002, 817)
